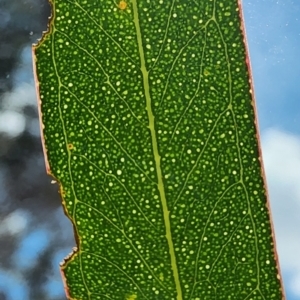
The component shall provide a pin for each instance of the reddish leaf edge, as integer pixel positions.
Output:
(71, 256)
(260, 156)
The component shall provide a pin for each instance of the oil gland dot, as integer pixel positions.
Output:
(70, 146)
(122, 5)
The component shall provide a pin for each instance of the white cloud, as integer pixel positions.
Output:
(15, 223)
(12, 119)
(281, 153)
(24, 94)
(12, 123)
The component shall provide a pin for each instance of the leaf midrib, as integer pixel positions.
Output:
(160, 183)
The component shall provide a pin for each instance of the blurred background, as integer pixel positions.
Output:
(35, 235)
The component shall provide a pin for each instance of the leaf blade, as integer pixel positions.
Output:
(153, 151)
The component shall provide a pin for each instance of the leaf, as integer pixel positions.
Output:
(149, 127)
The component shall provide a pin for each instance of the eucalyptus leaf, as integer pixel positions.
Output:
(150, 129)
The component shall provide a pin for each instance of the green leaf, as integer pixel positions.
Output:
(149, 127)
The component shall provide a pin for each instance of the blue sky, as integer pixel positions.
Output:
(273, 33)
(273, 30)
